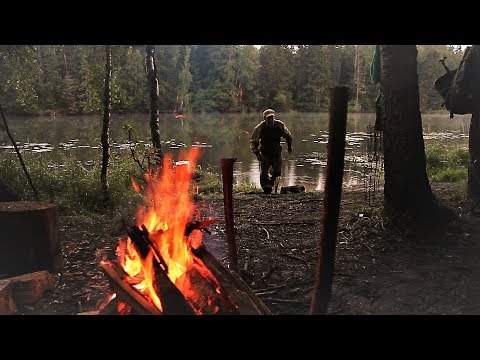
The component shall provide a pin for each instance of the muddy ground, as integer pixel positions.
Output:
(376, 272)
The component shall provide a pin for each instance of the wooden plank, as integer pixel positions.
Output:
(29, 288)
(7, 306)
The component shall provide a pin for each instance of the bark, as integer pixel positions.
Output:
(65, 63)
(40, 64)
(106, 122)
(474, 134)
(407, 189)
(357, 78)
(152, 81)
(473, 186)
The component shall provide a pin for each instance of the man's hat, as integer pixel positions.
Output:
(268, 113)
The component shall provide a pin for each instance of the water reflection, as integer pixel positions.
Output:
(219, 135)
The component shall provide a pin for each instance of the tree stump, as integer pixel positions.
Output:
(29, 237)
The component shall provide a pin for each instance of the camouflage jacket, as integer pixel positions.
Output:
(267, 139)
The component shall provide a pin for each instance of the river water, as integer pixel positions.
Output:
(221, 136)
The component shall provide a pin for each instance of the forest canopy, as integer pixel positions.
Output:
(68, 79)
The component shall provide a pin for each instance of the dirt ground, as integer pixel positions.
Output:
(376, 270)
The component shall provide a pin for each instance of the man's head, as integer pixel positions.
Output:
(269, 116)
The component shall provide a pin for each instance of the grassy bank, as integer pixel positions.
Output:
(446, 163)
(76, 189)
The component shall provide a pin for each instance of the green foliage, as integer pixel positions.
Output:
(92, 79)
(184, 80)
(211, 183)
(283, 101)
(207, 181)
(246, 188)
(47, 79)
(74, 187)
(446, 164)
(450, 175)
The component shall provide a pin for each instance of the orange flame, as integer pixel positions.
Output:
(167, 211)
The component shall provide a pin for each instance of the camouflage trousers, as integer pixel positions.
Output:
(270, 169)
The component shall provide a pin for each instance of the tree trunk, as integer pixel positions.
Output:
(357, 78)
(407, 188)
(30, 238)
(40, 64)
(65, 62)
(153, 90)
(473, 187)
(106, 122)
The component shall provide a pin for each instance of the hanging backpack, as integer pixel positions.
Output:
(460, 88)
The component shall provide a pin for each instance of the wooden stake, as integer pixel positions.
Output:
(332, 196)
(227, 175)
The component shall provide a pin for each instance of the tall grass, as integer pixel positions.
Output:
(73, 187)
(446, 162)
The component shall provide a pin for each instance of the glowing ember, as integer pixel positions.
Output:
(167, 212)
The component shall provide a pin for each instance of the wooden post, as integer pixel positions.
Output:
(227, 175)
(331, 200)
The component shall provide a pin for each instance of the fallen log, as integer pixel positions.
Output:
(29, 288)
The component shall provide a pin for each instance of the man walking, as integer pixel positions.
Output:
(265, 144)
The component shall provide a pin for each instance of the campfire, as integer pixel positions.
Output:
(162, 266)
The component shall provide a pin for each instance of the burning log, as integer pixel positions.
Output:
(162, 268)
(123, 289)
(30, 238)
(173, 302)
(226, 294)
(205, 295)
(241, 294)
(234, 296)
